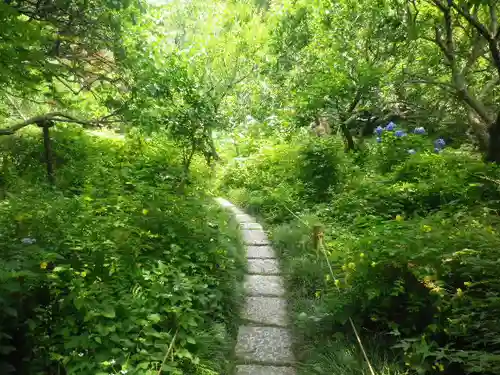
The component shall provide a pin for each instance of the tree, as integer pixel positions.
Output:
(467, 36)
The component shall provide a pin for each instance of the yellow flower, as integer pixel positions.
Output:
(426, 228)
(351, 266)
(399, 218)
(317, 294)
(43, 265)
(337, 283)
(83, 274)
(327, 277)
(460, 292)
(374, 264)
(362, 255)
(144, 211)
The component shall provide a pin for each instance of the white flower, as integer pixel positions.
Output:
(112, 361)
(123, 371)
(28, 241)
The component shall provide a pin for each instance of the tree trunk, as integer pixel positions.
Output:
(48, 153)
(349, 141)
(493, 154)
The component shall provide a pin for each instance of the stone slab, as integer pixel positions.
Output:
(266, 311)
(244, 218)
(224, 203)
(264, 345)
(263, 267)
(264, 370)
(237, 211)
(263, 285)
(254, 237)
(251, 226)
(260, 252)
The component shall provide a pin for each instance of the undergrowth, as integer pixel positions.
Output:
(123, 267)
(411, 231)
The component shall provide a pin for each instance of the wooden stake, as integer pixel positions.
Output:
(318, 234)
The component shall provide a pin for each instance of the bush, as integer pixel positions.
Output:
(319, 167)
(103, 278)
(283, 179)
(430, 283)
(413, 242)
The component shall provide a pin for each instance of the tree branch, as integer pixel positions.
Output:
(472, 20)
(493, 20)
(55, 117)
(483, 30)
(426, 81)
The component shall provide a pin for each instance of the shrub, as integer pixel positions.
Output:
(413, 242)
(320, 167)
(430, 283)
(104, 279)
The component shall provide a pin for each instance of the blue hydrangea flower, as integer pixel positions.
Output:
(28, 241)
(437, 150)
(379, 139)
(390, 126)
(412, 151)
(439, 143)
(379, 130)
(419, 130)
(399, 133)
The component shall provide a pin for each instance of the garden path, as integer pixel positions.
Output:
(264, 344)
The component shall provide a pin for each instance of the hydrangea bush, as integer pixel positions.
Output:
(396, 145)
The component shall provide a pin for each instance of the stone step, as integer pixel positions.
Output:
(254, 237)
(262, 285)
(264, 345)
(265, 311)
(224, 203)
(244, 218)
(263, 267)
(260, 252)
(264, 370)
(251, 226)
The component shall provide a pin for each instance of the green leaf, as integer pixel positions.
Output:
(109, 312)
(155, 318)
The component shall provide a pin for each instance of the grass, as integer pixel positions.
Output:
(340, 356)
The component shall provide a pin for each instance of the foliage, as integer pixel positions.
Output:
(103, 274)
(126, 252)
(412, 239)
(283, 178)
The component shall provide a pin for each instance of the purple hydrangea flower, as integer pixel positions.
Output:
(412, 151)
(390, 126)
(399, 133)
(419, 130)
(379, 139)
(379, 130)
(439, 143)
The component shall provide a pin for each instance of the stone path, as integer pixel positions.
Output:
(264, 345)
